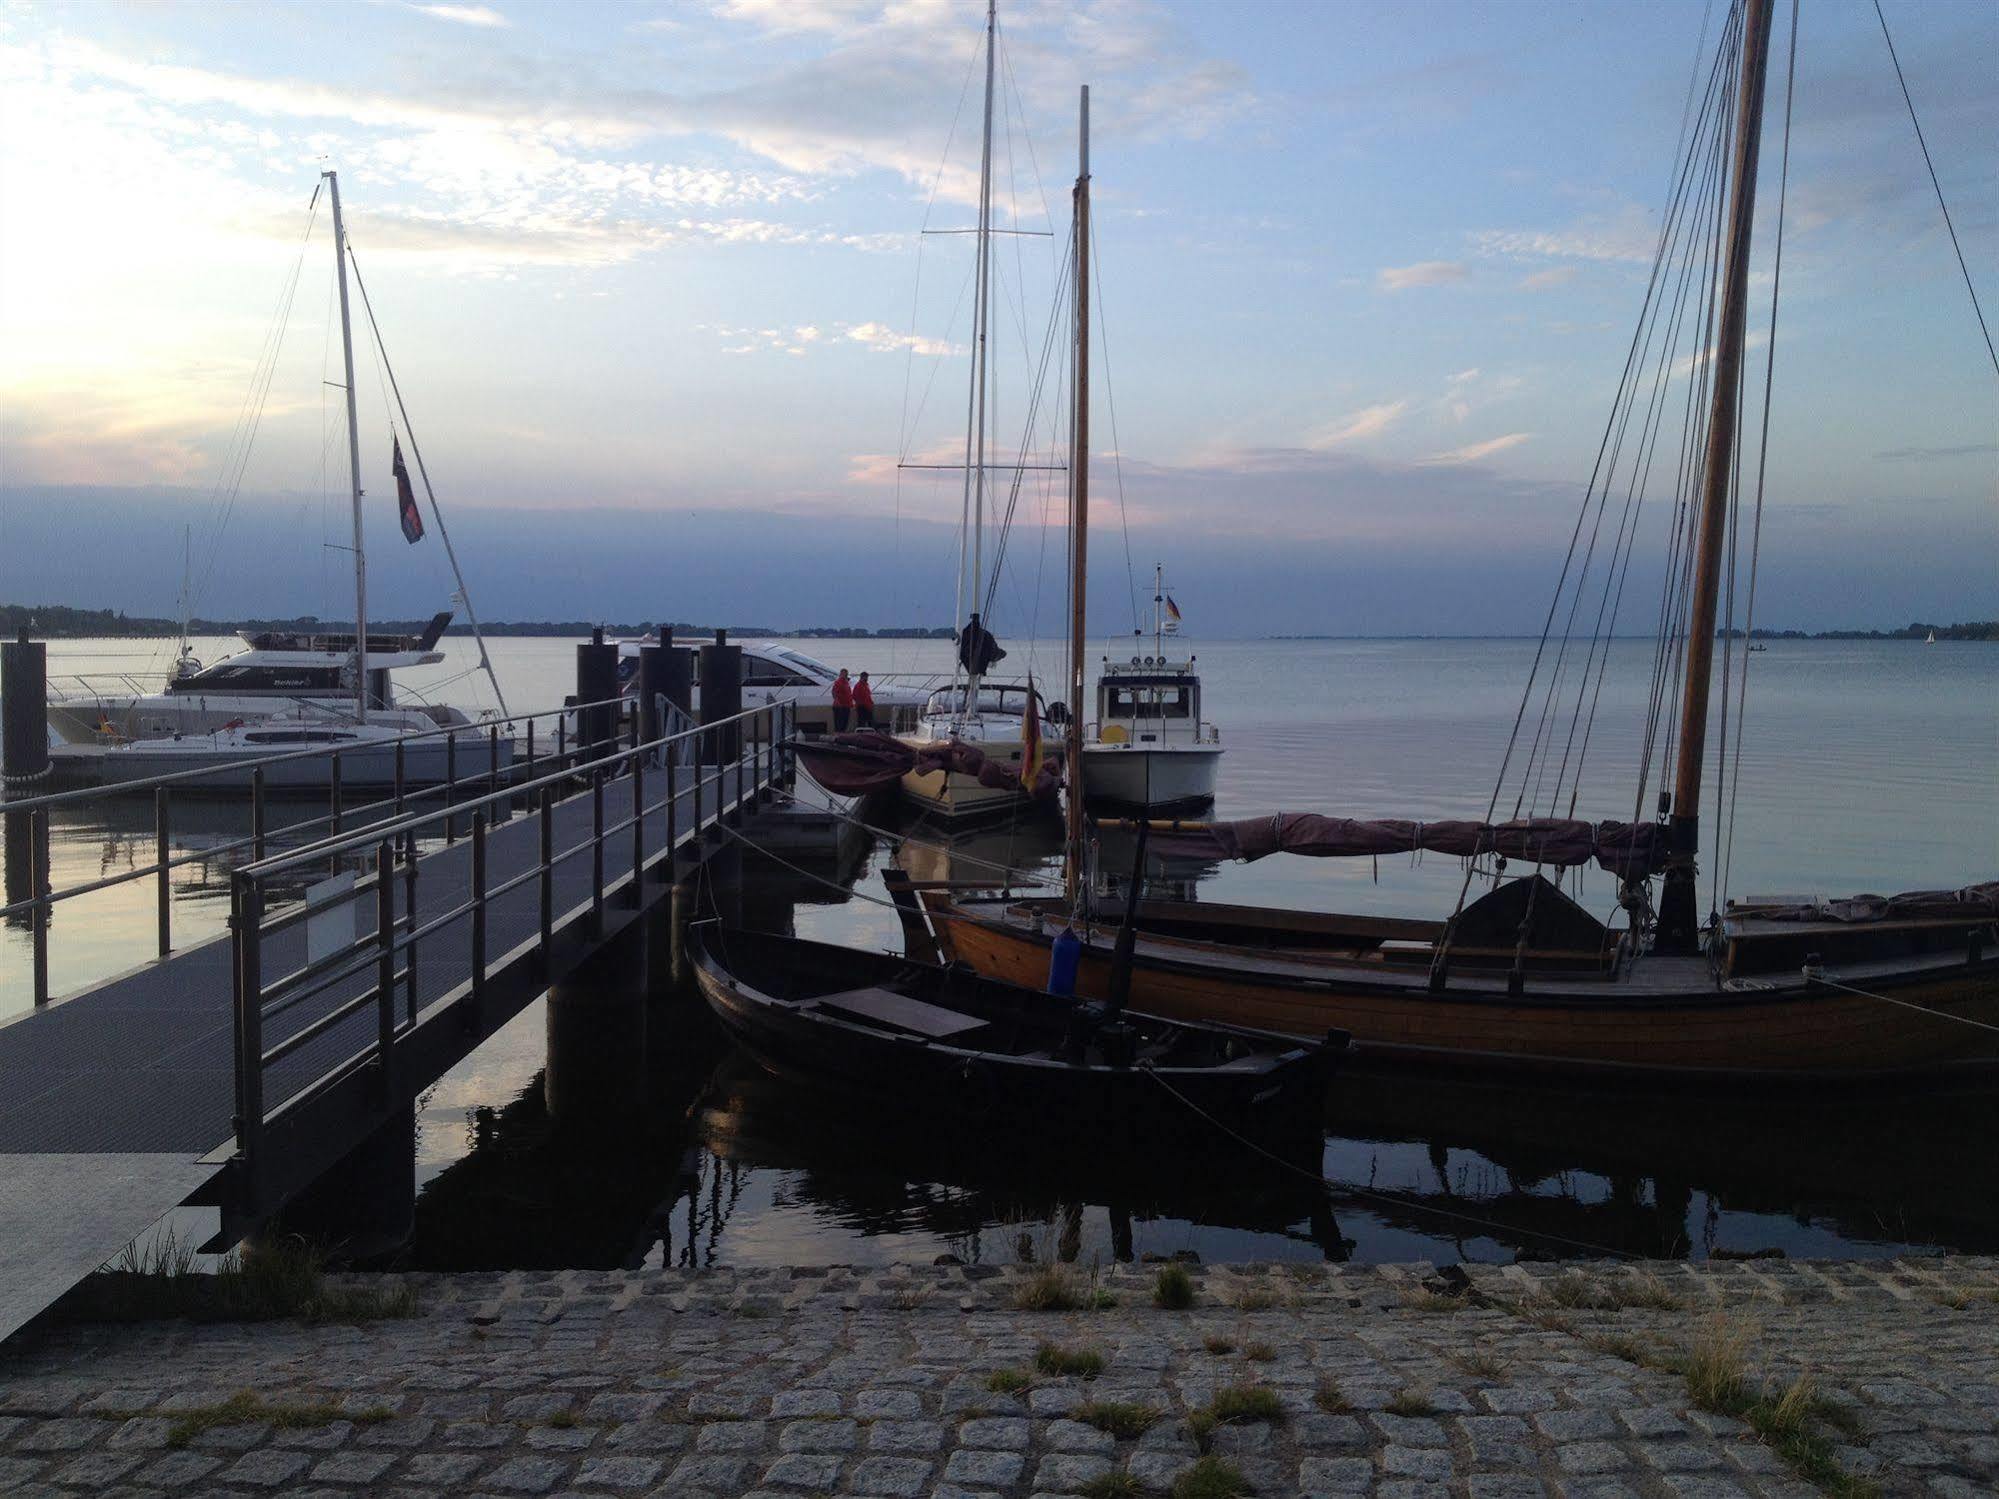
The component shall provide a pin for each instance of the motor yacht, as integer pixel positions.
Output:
(777, 672)
(1150, 749)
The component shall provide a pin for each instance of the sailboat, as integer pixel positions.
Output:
(1524, 976)
(289, 691)
(978, 741)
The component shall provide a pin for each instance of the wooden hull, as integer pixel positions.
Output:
(1592, 1025)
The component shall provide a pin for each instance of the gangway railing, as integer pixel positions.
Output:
(373, 968)
(558, 746)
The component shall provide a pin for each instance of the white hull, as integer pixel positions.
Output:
(1130, 776)
(165, 714)
(960, 797)
(425, 763)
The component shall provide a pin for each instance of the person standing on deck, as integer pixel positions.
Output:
(843, 701)
(864, 704)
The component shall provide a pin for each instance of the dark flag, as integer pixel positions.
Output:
(406, 510)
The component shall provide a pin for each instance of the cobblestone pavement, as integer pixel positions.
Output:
(1395, 1381)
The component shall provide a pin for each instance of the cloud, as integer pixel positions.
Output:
(1423, 273)
(1464, 377)
(1548, 280)
(1932, 455)
(1369, 421)
(883, 339)
(1478, 451)
(1628, 233)
(464, 15)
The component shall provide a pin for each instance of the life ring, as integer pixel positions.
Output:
(1113, 733)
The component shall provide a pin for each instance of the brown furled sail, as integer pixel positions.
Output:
(1628, 850)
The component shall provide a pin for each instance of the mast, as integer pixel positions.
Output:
(353, 462)
(1678, 929)
(975, 427)
(1158, 612)
(1079, 516)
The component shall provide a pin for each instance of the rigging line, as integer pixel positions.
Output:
(1617, 572)
(1818, 976)
(1575, 535)
(1938, 186)
(905, 444)
(1762, 456)
(1362, 1194)
(1110, 399)
(1627, 401)
(929, 203)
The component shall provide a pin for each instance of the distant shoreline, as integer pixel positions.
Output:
(60, 622)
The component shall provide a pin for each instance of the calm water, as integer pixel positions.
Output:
(1867, 766)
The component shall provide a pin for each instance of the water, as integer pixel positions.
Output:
(1867, 766)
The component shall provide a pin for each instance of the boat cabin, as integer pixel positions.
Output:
(1149, 700)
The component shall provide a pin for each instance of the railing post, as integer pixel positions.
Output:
(638, 831)
(250, 1019)
(547, 880)
(333, 817)
(672, 812)
(493, 759)
(561, 741)
(161, 842)
(385, 961)
(530, 766)
(478, 915)
(409, 922)
(597, 852)
(450, 786)
(38, 892)
(401, 782)
(700, 777)
(257, 814)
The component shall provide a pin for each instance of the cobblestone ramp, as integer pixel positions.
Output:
(796, 1382)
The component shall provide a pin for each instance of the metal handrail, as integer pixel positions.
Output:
(175, 777)
(757, 765)
(345, 842)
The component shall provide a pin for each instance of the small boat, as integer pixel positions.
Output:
(1151, 751)
(1931, 638)
(1016, 1059)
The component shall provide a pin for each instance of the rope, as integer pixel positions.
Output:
(1818, 976)
(1959, 249)
(1361, 1194)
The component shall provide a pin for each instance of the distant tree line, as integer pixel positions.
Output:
(1977, 629)
(60, 622)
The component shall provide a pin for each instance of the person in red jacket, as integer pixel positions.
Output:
(843, 701)
(864, 704)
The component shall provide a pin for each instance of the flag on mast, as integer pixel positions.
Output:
(406, 510)
(1031, 753)
(1172, 609)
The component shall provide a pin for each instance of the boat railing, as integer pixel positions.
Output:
(365, 923)
(552, 750)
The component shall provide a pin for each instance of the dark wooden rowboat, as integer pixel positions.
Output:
(1006, 1058)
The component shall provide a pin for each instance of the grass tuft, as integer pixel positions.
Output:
(1330, 1398)
(1639, 1288)
(1716, 1368)
(275, 1279)
(1718, 1380)
(1480, 1363)
(1259, 1352)
(1173, 1288)
(1116, 1484)
(1008, 1381)
(1121, 1418)
(1412, 1403)
(1050, 1289)
(1211, 1478)
(1245, 1402)
(1052, 1358)
(562, 1420)
(1218, 1345)
(1423, 1299)
(247, 1405)
(1258, 1299)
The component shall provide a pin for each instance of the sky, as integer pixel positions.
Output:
(655, 283)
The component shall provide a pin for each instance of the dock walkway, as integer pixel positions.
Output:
(117, 1104)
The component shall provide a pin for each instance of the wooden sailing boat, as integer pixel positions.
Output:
(1524, 976)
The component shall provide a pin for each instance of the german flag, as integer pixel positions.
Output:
(1031, 752)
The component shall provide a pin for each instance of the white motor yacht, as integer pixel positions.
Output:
(775, 671)
(366, 752)
(278, 674)
(1150, 749)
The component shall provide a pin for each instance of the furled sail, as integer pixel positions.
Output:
(1629, 850)
(865, 760)
(978, 649)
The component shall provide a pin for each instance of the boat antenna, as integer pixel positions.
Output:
(451, 554)
(1079, 517)
(1678, 929)
(353, 460)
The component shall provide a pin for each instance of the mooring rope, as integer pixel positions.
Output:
(1818, 976)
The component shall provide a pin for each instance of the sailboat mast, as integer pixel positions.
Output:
(353, 461)
(976, 438)
(1079, 516)
(1158, 612)
(1678, 926)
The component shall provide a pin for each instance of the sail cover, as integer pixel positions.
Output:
(865, 760)
(1629, 850)
(978, 649)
